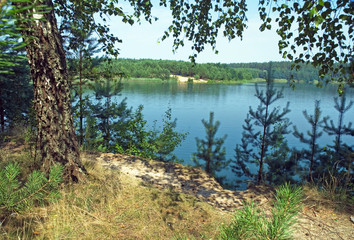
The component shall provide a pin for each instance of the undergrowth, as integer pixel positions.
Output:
(253, 223)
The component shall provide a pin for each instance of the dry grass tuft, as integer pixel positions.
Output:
(326, 198)
(325, 215)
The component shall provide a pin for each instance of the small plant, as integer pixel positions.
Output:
(252, 223)
(15, 196)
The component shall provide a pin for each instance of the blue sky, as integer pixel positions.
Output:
(142, 41)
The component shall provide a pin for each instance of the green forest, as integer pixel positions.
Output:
(163, 69)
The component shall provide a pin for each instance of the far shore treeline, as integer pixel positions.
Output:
(163, 69)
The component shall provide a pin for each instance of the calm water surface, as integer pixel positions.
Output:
(191, 103)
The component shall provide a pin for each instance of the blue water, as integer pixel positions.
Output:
(191, 103)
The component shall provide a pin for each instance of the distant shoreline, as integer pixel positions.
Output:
(189, 79)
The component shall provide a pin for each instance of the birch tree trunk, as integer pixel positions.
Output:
(57, 141)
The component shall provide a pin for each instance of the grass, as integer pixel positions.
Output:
(325, 197)
(116, 206)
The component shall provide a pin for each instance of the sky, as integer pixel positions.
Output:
(143, 41)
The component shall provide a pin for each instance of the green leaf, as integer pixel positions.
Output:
(313, 12)
(318, 20)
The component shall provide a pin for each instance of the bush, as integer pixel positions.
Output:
(158, 143)
(251, 223)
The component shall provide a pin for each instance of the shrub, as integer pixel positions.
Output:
(158, 143)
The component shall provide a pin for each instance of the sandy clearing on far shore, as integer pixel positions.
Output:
(185, 79)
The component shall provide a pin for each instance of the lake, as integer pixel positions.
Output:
(191, 103)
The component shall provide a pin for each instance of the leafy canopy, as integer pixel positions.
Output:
(317, 32)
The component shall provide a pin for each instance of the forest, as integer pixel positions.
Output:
(163, 69)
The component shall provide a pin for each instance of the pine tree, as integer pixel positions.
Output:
(167, 139)
(136, 139)
(257, 143)
(111, 117)
(314, 155)
(16, 96)
(341, 153)
(15, 90)
(211, 150)
(281, 161)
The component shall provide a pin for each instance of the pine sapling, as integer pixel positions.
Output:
(36, 190)
(313, 154)
(211, 150)
(252, 223)
(260, 133)
(342, 157)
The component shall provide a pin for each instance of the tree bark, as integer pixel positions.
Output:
(57, 141)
